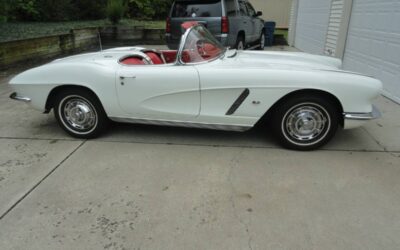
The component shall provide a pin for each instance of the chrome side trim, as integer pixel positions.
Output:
(16, 97)
(238, 128)
(375, 114)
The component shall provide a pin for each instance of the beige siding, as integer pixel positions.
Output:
(274, 10)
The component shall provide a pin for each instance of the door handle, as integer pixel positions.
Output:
(123, 77)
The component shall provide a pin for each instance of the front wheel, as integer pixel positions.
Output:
(305, 123)
(80, 113)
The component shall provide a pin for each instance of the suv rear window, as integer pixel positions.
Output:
(200, 8)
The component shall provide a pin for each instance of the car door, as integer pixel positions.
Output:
(246, 21)
(159, 92)
(254, 22)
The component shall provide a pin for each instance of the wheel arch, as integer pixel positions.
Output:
(242, 33)
(50, 102)
(302, 92)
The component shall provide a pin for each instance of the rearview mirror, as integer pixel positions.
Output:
(259, 13)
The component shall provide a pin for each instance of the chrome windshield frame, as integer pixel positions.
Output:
(182, 47)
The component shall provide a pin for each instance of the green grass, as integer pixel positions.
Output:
(282, 32)
(26, 30)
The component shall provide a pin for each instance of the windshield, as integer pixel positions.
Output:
(200, 46)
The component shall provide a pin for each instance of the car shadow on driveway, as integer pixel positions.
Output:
(138, 133)
(258, 137)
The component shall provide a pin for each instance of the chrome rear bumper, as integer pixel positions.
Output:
(16, 97)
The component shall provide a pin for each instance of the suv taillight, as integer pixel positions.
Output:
(224, 24)
(168, 25)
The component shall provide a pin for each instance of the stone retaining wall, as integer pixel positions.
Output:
(79, 40)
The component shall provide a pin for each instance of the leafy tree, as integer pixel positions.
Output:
(149, 9)
(115, 10)
(55, 10)
(65, 10)
(27, 10)
(89, 9)
(3, 11)
(162, 8)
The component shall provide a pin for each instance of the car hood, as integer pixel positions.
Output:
(285, 60)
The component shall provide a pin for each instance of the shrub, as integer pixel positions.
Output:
(89, 9)
(149, 9)
(3, 11)
(55, 10)
(115, 10)
(27, 10)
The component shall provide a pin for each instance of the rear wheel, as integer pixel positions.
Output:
(240, 44)
(305, 123)
(262, 41)
(80, 113)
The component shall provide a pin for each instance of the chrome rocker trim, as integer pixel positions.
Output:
(237, 128)
(16, 97)
(375, 114)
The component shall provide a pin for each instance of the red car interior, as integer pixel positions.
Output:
(169, 56)
(188, 25)
(155, 58)
(209, 51)
(133, 60)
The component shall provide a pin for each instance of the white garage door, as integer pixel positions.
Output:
(312, 25)
(373, 42)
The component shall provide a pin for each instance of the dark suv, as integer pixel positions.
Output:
(234, 23)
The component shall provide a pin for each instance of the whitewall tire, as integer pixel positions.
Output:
(80, 113)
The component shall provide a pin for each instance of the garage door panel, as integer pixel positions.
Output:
(391, 82)
(393, 53)
(312, 25)
(373, 42)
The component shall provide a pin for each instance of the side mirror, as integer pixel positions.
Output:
(259, 13)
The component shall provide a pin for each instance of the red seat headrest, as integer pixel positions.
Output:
(132, 61)
(155, 58)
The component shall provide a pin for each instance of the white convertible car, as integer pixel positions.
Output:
(305, 98)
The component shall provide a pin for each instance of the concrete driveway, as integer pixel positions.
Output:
(145, 187)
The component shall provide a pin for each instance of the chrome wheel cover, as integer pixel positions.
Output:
(78, 114)
(306, 124)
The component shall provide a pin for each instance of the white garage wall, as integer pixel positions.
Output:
(373, 42)
(312, 25)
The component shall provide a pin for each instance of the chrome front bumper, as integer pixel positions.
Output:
(354, 120)
(16, 97)
(375, 114)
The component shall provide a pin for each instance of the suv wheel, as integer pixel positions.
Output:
(262, 41)
(240, 45)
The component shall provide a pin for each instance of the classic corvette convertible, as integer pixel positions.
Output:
(304, 98)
